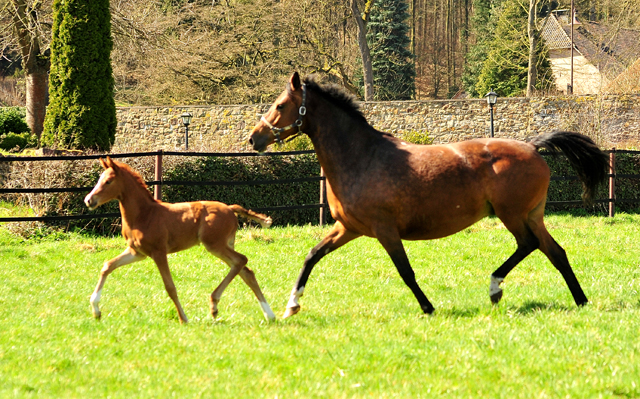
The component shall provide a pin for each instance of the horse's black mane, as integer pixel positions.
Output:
(336, 95)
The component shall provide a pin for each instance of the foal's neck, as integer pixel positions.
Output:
(135, 198)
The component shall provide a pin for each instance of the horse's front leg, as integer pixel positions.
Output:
(392, 243)
(128, 256)
(163, 266)
(337, 237)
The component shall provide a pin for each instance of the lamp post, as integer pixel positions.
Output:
(186, 120)
(491, 100)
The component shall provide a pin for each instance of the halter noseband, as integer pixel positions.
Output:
(302, 111)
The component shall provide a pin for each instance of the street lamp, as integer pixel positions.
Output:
(491, 100)
(186, 120)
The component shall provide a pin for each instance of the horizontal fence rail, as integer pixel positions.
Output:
(322, 205)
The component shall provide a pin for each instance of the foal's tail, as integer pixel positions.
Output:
(264, 220)
(583, 154)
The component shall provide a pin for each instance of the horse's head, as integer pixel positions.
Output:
(108, 187)
(283, 119)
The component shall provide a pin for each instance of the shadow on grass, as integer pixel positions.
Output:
(531, 307)
(459, 313)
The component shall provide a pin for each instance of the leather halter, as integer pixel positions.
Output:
(302, 111)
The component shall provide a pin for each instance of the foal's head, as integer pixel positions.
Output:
(280, 121)
(112, 184)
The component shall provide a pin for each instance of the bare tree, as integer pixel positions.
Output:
(28, 29)
(534, 38)
(361, 19)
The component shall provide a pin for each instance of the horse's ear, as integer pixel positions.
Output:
(295, 81)
(111, 164)
(103, 163)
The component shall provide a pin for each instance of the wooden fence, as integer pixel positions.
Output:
(322, 205)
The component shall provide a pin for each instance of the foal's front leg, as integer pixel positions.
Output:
(128, 256)
(163, 267)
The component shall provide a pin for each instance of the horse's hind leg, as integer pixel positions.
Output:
(558, 258)
(126, 257)
(527, 243)
(531, 234)
(249, 278)
(337, 237)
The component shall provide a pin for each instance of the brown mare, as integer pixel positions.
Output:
(383, 187)
(154, 228)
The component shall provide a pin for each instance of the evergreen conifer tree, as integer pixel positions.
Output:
(392, 61)
(482, 29)
(81, 112)
(505, 67)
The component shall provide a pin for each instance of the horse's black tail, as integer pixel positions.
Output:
(584, 155)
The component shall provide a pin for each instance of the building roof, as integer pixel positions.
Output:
(610, 48)
(554, 36)
(627, 82)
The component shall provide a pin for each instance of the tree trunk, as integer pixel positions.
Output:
(37, 99)
(364, 50)
(35, 64)
(533, 44)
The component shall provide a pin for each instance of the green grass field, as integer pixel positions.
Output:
(360, 332)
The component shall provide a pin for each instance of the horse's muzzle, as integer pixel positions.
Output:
(90, 202)
(259, 143)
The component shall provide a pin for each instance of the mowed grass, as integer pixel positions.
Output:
(360, 332)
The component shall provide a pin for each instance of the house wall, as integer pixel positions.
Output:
(610, 120)
(587, 79)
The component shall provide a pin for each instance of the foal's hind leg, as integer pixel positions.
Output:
(128, 256)
(237, 263)
(250, 279)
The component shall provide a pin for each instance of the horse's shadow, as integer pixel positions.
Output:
(525, 309)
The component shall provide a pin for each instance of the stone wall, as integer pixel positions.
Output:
(610, 120)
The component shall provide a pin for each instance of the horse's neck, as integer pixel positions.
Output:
(134, 201)
(343, 146)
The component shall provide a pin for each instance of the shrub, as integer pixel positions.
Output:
(14, 131)
(12, 120)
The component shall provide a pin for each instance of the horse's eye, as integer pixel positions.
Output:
(108, 182)
(280, 107)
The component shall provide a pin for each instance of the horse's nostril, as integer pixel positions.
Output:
(251, 141)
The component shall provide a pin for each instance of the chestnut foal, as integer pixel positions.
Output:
(154, 228)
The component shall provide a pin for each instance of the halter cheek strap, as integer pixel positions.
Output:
(302, 111)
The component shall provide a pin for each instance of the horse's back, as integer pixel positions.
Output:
(452, 186)
(190, 223)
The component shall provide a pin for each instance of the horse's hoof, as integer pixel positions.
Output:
(214, 313)
(291, 311)
(97, 314)
(496, 297)
(428, 310)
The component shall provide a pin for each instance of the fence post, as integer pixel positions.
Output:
(612, 183)
(157, 188)
(323, 198)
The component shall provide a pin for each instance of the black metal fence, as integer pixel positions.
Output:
(159, 182)
(322, 205)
